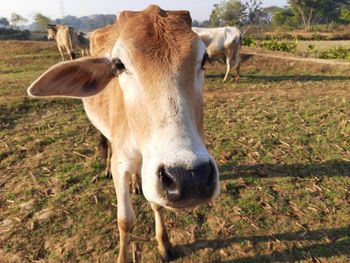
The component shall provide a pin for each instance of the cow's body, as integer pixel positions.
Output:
(222, 42)
(68, 40)
(83, 43)
(146, 99)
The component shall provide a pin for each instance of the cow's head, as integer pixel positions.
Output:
(158, 60)
(51, 31)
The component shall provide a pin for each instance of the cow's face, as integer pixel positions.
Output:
(51, 31)
(158, 61)
(162, 81)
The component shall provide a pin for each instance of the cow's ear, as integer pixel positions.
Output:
(77, 79)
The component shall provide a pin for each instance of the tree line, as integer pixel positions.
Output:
(84, 23)
(296, 14)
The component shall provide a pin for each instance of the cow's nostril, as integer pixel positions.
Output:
(180, 183)
(211, 177)
(170, 184)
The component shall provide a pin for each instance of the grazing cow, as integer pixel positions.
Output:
(146, 98)
(83, 43)
(68, 40)
(223, 42)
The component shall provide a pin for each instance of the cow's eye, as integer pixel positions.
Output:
(204, 60)
(118, 66)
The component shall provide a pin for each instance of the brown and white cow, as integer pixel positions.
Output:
(223, 42)
(146, 98)
(68, 40)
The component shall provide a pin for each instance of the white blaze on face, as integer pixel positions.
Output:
(174, 139)
(50, 34)
(199, 84)
(129, 81)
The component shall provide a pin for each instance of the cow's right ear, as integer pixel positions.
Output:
(76, 79)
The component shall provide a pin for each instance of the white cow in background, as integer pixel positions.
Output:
(223, 42)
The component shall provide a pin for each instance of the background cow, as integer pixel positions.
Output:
(223, 42)
(68, 40)
(84, 43)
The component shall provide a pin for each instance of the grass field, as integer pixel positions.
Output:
(322, 45)
(281, 138)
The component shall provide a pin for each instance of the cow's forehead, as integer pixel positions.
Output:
(160, 37)
(153, 12)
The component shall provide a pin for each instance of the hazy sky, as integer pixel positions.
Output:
(200, 9)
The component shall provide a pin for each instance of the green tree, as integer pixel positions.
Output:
(41, 21)
(329, 11)
(305, 9)
(4, 22)
(318, 11)
(234, 12)
(17, 19)
(345, 15)
(284, 17)
(254, 12)
(230, 12)
(267, 14)
(215, 16)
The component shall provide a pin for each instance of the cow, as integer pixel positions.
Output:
(83, 43)
(68, 40)
(142, 88)
(223, 42)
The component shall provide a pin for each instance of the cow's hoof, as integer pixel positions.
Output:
(136, 191)
(109, 175)
(135, 184)
(168, 255)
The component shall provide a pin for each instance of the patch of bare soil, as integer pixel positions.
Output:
(294, 92)
(288, 56)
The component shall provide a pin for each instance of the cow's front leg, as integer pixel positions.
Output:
(108, 161)
(126, 215)
(60, 49)
(136, 187)
(164, 246)
(228, 65)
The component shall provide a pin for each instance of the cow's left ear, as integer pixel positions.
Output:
(76, 79)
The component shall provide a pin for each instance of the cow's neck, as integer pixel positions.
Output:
(106, 110)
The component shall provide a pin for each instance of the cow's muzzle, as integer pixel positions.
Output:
(181, 184)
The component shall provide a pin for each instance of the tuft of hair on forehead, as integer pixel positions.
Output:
(163, 39)
(182, 16)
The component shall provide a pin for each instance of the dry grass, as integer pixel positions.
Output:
(281, 138)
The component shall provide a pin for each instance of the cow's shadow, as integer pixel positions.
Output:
(279, 78)
(338, 245)
(249, 77)
(231, 170)
(297, 77)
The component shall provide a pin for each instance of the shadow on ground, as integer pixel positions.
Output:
(339, 243)
(277, 78)
(10, 115)
(330, 168)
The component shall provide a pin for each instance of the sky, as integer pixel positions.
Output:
(200, 9)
